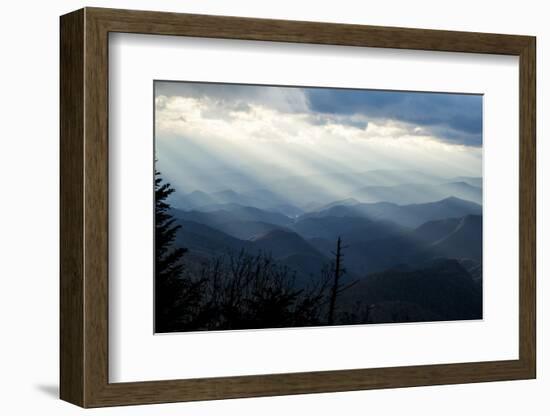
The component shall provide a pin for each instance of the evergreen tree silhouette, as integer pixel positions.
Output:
(239, 290)
(175, 295)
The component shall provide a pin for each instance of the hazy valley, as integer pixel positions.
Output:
(411, 251)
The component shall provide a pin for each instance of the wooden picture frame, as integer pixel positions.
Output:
(84, 207)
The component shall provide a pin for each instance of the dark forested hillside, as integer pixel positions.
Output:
(443, 289)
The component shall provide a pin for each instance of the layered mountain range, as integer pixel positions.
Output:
(413, 249)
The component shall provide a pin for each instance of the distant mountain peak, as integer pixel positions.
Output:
(461, 183)
(452, 199)
(349, 201)
(278, 233)
(197, 192)
(226, 192)
(282, 243)
(342, 202)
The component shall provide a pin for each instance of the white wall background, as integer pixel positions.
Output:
(29, 210)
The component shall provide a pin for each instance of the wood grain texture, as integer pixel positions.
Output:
(71, 208)
(84, 207)
(528, 207)
(225, 27)
(96, 219)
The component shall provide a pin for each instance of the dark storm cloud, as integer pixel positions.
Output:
(453, 118)
(456, 118)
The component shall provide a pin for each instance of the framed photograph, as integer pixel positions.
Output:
(256, 207)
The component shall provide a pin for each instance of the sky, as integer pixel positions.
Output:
(218, 136)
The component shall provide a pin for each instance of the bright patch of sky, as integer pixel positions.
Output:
(219, 136)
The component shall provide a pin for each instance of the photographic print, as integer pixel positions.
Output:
(291, 206)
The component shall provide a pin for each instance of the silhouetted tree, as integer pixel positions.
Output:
(240, 290)
(244, 291)
(176, 297)
(337, 288)
(358, 312)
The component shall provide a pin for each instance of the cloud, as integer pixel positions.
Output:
(283, 99)
(215, 136)
(451, 118)
(256, 123)
(456, 118)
